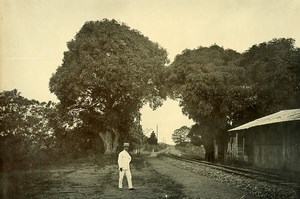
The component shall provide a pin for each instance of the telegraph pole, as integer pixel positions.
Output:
(157, 132)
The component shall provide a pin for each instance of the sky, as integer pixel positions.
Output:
(34, 33)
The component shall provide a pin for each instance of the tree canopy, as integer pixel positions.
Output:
(152, 140)
(107, 74)
(24, 129)
(179, 136)
(220, 88)
(273, 76)
(206, 81)
(208, 84)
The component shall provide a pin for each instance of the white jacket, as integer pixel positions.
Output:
(124, 160)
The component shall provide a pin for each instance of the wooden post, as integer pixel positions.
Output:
(237, 145)
(284, 145)
(157, 132)
(216, 150)
(243, 149)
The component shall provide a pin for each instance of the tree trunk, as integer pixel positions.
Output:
(107, 142)
(116, 141)
(209, 151)
(110, 141)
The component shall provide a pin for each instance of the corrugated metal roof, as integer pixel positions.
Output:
(281, 116)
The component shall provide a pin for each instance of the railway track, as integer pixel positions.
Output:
(249, 173)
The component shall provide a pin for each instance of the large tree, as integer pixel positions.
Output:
(208, 84)
(202, 135)
(152, 140)
(73, 139)
(220, 88)
(273, 77)
(24, 129)
(107, 74)
(179, 136)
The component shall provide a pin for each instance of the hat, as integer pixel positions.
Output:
(126, 144)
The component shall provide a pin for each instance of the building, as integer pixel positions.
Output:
(272, 141)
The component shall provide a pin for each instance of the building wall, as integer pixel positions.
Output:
(268, 147)
(275, 146)
(291, 151)
(268, 157)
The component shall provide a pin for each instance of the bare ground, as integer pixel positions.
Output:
(152, 178)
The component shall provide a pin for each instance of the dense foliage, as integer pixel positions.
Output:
(220, 88)
(26, 137)
(179, 136)
(208, 84)
(273, 78)
(108, 73)
(152, 140)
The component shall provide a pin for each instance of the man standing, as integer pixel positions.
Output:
(124, 168)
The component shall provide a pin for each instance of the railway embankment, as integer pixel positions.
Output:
(251, 183)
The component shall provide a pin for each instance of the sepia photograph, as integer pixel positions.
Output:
(150, 99)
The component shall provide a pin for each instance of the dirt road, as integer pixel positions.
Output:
(152, 178)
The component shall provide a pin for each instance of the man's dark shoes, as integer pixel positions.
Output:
(132, 189)
(120, 189)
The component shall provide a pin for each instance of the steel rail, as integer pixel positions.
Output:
(249, 173)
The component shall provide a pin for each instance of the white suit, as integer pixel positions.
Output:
(123, 162)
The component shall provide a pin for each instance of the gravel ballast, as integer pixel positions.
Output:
(252, 186)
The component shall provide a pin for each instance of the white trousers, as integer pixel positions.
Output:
(128, 176)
